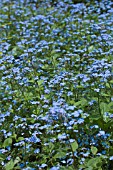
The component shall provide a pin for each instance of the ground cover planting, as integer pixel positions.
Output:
(56, 85)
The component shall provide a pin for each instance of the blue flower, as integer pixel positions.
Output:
(76, 114)
(111, 116)
(97, 90)
(43, 165)
(34, 139)
(80, 121)
(103, 152)
(22, 165)
(37, 151)
(101, 133)
(111, 158)
(54, 168)
(62, 136)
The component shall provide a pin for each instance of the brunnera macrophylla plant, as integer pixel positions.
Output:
(56, 88)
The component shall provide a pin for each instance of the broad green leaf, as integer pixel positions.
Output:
(59, 155)
(93, 162)
(66, 168)
(105, 95)
(94, 150)
(14, 136)
(82, 102)
(89, 168)
(20, 139)
(1, 158)
(110, 104)
(40, 82)
(9, 165)
(7, 142)
(74, 146)
(104, 107)
(14, 50)
(51, 146)
(91, 48)
(111, 81)
(80, 87)
(17, 160)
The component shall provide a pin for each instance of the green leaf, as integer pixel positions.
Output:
(14, 50)
(9, 165)
(66, 168)
(7, 142)
(40, 82)
(110, 104)
(14, 136)
(51, 146)
(111, 81)
(89, 168)
(80, 87)
(94, 150)
(17, 160)
(91, 48)
(20, 139)
(93, 162)
(104, 107)
(82, 102)
(1, 158)
(59, 155)
(74, 146)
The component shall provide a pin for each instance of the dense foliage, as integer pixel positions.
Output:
(56, 85)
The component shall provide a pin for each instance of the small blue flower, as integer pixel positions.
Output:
(34, 139)
(72, 140)
(43, 165)
(76, 114)
(103, 152)
(80, 121)
(111, 158)
(111, 116)
(97, 90)
(101, 133)
(62, 136)
(21, 165)
(54, 168)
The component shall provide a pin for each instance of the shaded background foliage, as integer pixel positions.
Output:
(56, 87)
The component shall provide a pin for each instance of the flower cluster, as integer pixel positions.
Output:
(56, 88)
